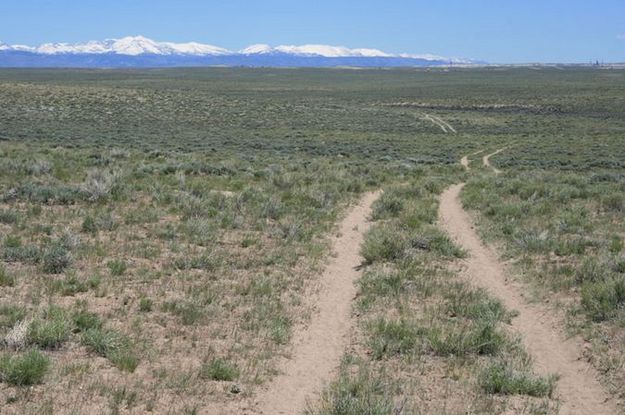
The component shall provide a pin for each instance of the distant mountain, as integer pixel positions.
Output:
(139, 51)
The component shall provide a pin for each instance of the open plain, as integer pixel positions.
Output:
(318, 241)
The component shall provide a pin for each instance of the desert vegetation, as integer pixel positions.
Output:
(162, 234)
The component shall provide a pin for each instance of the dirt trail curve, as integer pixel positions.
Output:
(486, 160)
(318, 349)
(444, 125)
(578, 388)
(464, 161)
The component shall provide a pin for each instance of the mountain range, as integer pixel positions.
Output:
(139, 51)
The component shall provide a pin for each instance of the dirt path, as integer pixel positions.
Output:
(486, 160)
(445, 126)
(578, 388)
(318, 349)
(464, 161)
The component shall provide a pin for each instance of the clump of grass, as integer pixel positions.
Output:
(389, 338)
(6, 279)
(89, 225)
(498, 378)
(25, 369)
(389, 205)
(474, 304)
(462, 339)
(382, 243)
(189, 312)
(613, 203)
(50, 330)
(55, 258)
(357, 391)
(219, 369)
(117, 267)
(8, 217)
(84, 320)
(69, 286)
(430, 238)
(112, 345)
(10, 314)
(616, 244)
(14, 251)
(207, 262)
(145, 305)
(101, 221)
(603, 299)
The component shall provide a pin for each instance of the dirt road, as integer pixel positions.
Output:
(319, 347)
(578, 388)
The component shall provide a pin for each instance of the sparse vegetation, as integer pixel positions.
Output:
(155, 218)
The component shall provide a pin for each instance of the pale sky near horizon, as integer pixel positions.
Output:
(502, 31)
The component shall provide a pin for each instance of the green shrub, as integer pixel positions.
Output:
(218, 369)
(500, 379)
(55, 259)
(29, 254)
(23, 370)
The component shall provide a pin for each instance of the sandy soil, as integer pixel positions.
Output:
(578, 388)
(318, 348)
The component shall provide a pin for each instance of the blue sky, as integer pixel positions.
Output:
(491, 30)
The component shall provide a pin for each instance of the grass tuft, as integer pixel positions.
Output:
(219, 369)
(25, 369)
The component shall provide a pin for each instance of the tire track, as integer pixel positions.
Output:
(445, 126)
(578, 389)
(464, 161)
(318, 349)
(486, 161)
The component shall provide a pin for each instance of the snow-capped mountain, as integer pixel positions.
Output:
(315, 50)
(131, 45)
(141, 51)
